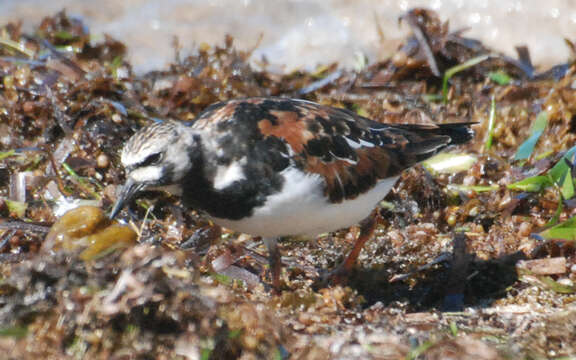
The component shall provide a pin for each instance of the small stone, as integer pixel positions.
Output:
(474, 211)
(28, 107)
(399, 59)
(102, 161)
(549, 266)
(565, 282)
(451, 219)
(525, 228)
(469, 180)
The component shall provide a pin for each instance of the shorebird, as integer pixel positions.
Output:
(276, 167)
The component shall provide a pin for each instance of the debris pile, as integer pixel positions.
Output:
(474, 257)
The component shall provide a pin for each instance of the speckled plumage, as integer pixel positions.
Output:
(252, 163)
(350, 152)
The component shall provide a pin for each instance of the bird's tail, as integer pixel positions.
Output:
(459, 133)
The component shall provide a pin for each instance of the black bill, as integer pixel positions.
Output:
(126, 194)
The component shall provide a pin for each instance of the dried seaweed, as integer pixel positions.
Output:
(189, 289)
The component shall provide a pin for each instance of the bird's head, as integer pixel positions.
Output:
(157, 156)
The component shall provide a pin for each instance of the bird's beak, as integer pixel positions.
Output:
(128, 191)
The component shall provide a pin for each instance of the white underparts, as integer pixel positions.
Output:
(301, 209)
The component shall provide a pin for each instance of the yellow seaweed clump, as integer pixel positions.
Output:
(88, 230)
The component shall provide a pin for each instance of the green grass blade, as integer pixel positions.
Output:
(491, 122)
(525, 150)
(11, 44)
(531, 184)
(563, 231)
(456, 69)
(567, 187)
(500, 77)
(561, 168)
(7, 154)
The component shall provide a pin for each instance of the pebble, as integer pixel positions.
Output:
(525, 228)
(102, 161)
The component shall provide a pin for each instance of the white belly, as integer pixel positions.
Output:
(302, 210)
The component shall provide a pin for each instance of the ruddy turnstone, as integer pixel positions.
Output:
(276, 167)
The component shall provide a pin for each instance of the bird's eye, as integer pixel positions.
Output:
(152, 159)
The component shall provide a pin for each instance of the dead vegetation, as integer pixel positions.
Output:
(469, 262)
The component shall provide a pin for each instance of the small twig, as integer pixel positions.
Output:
(57, 175)
(379, 29)
(317, 85)
(25, 226)
(16, 46)
(525, 61)
(58, 114)
(141, 229)
(424, 42)
(440, 258)
(256, 45)
(6, 236)
(13, 258)
(80, 182)
(16, 60)
(65, 60)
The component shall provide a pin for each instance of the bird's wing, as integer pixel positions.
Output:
(350, 152)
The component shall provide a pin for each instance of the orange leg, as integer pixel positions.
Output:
(274, 261)
(367, 227)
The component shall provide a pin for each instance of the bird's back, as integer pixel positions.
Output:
(350, 152)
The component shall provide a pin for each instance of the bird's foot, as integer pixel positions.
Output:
(335, 277)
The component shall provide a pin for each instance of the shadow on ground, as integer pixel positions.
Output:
(441, 288)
